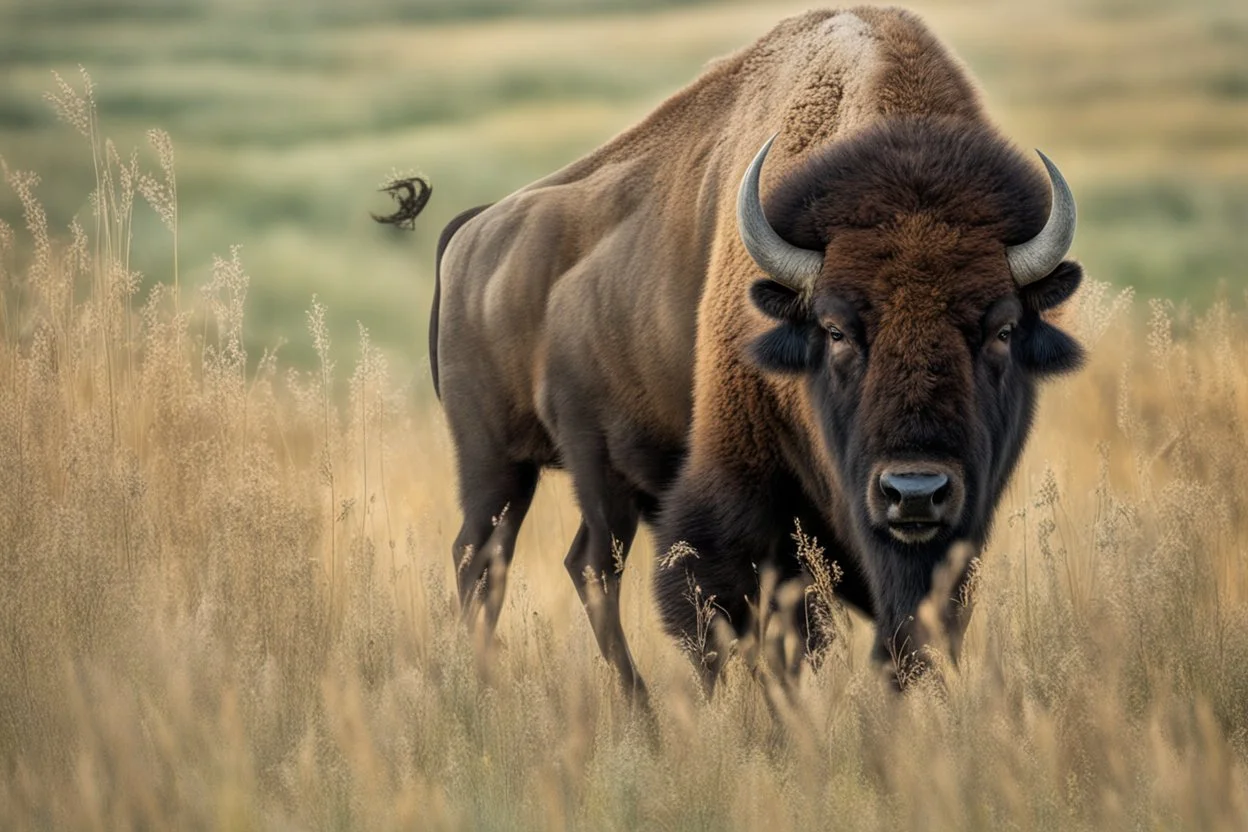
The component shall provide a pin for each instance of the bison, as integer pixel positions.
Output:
(858, 351)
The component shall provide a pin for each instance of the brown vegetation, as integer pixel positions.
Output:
(225, 597)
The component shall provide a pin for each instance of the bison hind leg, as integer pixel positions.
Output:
(610, 512)
(495, 497)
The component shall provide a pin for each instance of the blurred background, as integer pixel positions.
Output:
(287, 115)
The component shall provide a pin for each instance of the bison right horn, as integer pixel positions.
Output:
(783, 262)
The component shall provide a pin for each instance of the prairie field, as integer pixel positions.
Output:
(227, 494)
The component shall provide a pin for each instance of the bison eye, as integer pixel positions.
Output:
(834, 333)
(1003, 335)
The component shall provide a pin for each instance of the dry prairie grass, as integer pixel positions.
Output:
(225, 598)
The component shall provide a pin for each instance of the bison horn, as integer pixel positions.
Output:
(1039, 256)
(784, 262)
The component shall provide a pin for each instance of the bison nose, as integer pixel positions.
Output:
(915, 496)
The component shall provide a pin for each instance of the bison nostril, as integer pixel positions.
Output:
(915, 494)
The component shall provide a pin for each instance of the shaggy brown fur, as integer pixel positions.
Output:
(601, 318)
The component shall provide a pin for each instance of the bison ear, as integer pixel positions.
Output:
(1053, 290)
(777, 301)
(785, 349)
(1045, 350)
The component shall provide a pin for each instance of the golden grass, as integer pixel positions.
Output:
(225, 600)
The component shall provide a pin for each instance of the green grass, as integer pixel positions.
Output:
(286, 120)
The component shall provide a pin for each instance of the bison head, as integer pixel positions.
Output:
(907, 273)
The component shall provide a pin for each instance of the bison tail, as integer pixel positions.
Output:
(412, 193)
(433, 325)
(443, 241)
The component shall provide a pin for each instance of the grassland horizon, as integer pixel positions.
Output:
(226, 592)
(288, 121)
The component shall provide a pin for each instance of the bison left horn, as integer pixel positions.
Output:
(783, 262)
(1039, 256)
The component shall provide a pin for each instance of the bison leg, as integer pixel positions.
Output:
(494, 507)
(596, 564)
(715, 539)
